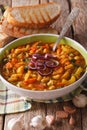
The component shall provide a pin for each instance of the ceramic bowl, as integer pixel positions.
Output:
(50, 94)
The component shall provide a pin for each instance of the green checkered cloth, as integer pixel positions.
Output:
(10, 102)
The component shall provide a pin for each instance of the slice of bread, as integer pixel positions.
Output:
(17, 32)
(4, 38)
(35, 16)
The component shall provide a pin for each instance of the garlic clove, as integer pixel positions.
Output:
(43, 125)
(72, 121)
(50, 119)
(38, 121)
(33, 124)
(11, 123)
(15, 124)
(80, 101)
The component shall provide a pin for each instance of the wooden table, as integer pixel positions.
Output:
(78, 31)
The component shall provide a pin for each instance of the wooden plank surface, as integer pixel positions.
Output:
(80, 34)
(64, 13)
(1, 122)
(80, 26)
(24, 2)
(6, 2)
(84, 118)
(43, 1)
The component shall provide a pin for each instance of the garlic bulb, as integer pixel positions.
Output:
(38, 121)
(15, 124)
(80, 100)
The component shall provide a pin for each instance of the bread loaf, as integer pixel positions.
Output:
(17, 32)
(35, 16)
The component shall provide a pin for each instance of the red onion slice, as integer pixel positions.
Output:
(45, 72)
(40, 65)
(52, 63)
(31, 65)
(47, 56)
(44, 64)
(37, 56)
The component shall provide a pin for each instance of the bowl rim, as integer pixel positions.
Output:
(41, 91)
(42, 34)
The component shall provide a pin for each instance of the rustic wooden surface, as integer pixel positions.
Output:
(78, 31)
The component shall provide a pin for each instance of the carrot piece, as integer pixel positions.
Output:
(14, 60)
(34, 49)
(9, 65)
(40, 86)
(60, 84)
(30, 80)
(45, 46)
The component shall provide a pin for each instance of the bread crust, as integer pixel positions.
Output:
(4, 38)
(37, 16)
(18, 32)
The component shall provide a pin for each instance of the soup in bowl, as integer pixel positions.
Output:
(31, 68)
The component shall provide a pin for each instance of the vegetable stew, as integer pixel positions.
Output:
(37, 67)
